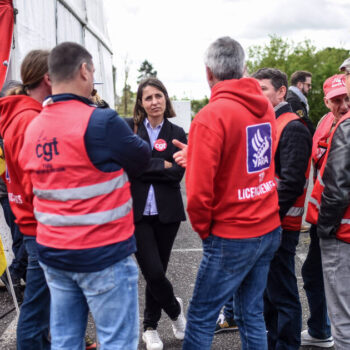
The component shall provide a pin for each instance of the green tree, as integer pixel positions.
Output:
(126, 105)
(146, 71)
(197, 105)
(127, 102)
(290, 57)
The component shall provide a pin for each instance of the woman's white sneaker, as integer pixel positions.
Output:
(307, 339)
(152, 340)
(179, 325)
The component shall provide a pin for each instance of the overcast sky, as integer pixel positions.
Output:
(173, 35)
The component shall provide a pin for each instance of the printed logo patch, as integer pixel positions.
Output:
(259, 147)
(300, 113)
(160, 145)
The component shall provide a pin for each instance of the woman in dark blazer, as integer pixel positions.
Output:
(158, 207)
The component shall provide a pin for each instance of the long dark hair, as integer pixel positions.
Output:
(139, 112)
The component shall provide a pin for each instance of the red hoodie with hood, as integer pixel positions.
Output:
(16, 112)
(231, 191)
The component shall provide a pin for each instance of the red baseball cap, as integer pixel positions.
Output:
(334, 86)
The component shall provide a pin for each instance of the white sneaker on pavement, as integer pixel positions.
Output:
(307, 339)
(152, 340)
(179, 325)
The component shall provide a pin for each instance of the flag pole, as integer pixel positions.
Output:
(12, 290)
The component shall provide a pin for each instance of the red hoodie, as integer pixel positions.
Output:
(230, 184)
(16, 112)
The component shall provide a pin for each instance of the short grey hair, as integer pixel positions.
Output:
(225, 59)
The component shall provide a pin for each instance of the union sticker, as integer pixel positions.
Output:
(160, 145)
(259, 147)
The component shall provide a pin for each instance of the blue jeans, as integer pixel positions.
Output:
(19, 263)
(282, 305)
(318, 322)
(111, 296)
(33, 322)
(229, 309)
(231, 267)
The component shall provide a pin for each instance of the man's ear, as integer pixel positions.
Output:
(300, 85)
(282, 91)
(84, 71)
(326, 102)
(210, 76)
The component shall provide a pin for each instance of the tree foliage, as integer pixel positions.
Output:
(146, 71)
(197, 105)
(290, 57)
(126, 104)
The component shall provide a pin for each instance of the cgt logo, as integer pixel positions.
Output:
(160, 145)
(47, 149)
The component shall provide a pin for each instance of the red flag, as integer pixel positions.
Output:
(6, 31)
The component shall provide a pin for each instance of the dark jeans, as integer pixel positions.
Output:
(19, 263)
(318, 322)
(154, 243)
(282, 309)
(228, 310)
(33, 322)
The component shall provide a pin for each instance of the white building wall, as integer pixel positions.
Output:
(183, 114)
(42, 24)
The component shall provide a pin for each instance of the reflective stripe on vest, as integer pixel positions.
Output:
(99, 218)
(319, 150)
(79, 207)
(315, 199)
(293, 218)
(295, 211)
(84, 192)
(343, 232)
(319, 179)
(320, 140)
(314, 202)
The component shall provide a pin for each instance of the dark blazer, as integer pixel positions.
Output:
(166, 182)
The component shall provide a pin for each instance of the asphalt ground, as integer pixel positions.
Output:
(182, 270)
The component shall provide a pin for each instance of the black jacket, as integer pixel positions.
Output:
(291, 161)
(336, 177)
(166, 182)
(299, 107)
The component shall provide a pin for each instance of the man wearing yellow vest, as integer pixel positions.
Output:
(78, 157)
(331, 198)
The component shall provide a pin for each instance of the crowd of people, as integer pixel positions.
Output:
(89, 189)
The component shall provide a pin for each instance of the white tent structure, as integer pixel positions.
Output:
(42, 24)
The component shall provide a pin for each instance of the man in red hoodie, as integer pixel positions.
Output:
(232, 199)
(17, 111)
